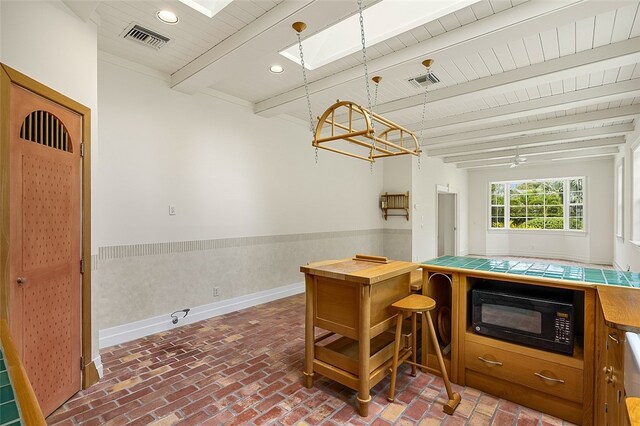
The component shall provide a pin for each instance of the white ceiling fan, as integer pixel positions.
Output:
(517, 160)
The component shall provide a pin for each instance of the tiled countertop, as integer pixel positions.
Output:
(540, 270)
(9, 415)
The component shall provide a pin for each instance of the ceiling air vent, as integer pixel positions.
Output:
(144, 36)
(424, 80)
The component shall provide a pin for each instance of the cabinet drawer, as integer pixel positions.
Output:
(549, 377)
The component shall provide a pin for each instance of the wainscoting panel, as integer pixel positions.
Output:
(138, 282)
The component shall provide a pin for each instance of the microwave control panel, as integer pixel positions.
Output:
(563, 327)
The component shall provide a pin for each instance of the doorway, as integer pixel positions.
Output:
(447, 225)
(46, 289)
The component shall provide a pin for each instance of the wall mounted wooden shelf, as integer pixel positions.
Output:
(394, 202)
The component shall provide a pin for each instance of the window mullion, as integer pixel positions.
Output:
(507, 205)
(565, 204)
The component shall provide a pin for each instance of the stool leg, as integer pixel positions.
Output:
(425, 342)
(396, 352)
(414, 343)
(454, 397)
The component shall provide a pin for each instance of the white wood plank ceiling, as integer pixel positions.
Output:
(548, 79)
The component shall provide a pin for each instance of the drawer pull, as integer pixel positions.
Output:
(551, 379)
(614, 338)
(498, 363)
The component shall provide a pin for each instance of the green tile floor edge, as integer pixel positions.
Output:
(9, 411)
(540, 269)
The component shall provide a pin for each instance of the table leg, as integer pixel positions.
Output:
(364, 344)
(309, 334)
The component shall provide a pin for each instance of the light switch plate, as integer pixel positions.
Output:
(172, 210)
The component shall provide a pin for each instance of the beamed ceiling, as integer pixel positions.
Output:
(548, 79)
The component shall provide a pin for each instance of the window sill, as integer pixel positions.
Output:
(635, 244)
(567, 232)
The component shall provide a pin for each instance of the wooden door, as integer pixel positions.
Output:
(45, 250)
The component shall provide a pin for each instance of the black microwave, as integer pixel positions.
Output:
(538, 317)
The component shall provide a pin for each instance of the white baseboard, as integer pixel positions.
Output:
(97, 361)
(135, 330)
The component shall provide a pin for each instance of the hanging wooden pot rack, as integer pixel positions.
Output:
(350, 129)
(362, 141)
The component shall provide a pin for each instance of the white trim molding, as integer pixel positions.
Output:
(97, 361)
(135, 330)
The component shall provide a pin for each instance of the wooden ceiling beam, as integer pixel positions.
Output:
(553, 124)
(543, 149)
(576, 99)
(543, 158)
(517, 22)
(535, 140)
(197, 74)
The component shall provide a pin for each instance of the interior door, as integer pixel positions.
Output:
(446, 224)
(44, 306)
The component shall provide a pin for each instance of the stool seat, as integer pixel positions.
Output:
(415, 303)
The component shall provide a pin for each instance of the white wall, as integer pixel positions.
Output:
(426, 178)
(626, 254)
(240, 183)
(47, 42)
(594, 246)
(229, 172)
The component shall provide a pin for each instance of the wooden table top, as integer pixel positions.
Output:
(620, 307)
(359, 270)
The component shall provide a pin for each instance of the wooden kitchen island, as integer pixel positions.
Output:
(351, 299)
(570, 386)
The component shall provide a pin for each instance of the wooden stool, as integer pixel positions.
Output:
(415, 304)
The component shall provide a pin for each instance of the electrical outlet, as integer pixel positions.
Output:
(172, 210)
(216, 291)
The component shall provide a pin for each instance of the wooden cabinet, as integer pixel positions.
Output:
(610, 395)
(559, 384)
(561, 377)
(554, 383)
(443, 288)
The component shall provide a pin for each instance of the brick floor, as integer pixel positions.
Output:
(245, 368)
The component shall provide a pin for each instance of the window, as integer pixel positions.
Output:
(635, 206)
(497, 205)
(538, 204)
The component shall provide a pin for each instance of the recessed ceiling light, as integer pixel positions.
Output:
(276, 69)
(383, 20)
(207, 7)
(167, 17)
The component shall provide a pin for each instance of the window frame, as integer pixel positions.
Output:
(566, 204)
(619, 197)
(635, 194)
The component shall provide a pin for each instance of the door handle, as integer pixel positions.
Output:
(551, 379)
(498, 363)
(21, 280)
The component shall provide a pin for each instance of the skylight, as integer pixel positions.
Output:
(383, 20)
(207, 7)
